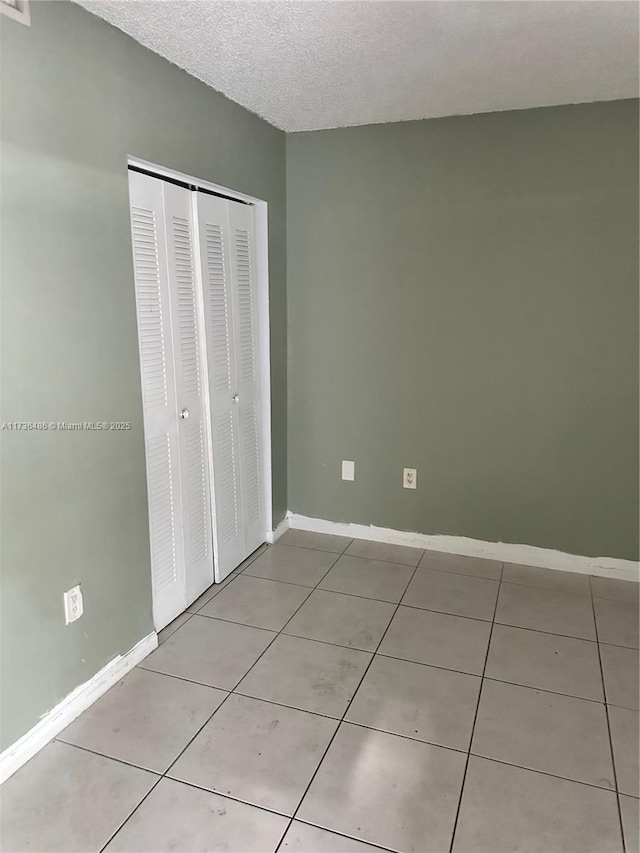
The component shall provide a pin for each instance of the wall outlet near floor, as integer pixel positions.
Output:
(73, 607)
(348, 470)
(409, 478)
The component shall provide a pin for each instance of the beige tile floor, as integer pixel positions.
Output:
(338, 696)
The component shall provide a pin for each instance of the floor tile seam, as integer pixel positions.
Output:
(131, 814)
(547, 588)
(327, 589)
(540, 631)
(497, 581)
(328, 642)
(622, 707)
(537, 770)
(159, 777)
(230, 622)
(276, 580)
(234, 575)
(338, 556)
(475, 718)
(503, 624)
(266, 580)
(307, 822)
(97, 752)
(381, 559)
(293, 583)
(470, 753)
(402, 603)
(541, 690)
(339, 721)
(183, 678)
(457, 750)
(355, 594)
(227, 796)
(318, 588)
(461, 574)
(604, 597)
(493, 760)
(616, 600)
(311, 548)
(191, 739)
(238, 693)
(188, 613)
(616, 646)
(402, 660)
(220, 587)
(342, 718)
(611, 750)
(249, 624)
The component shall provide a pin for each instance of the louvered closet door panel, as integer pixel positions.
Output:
(246, 327)
(221, 345)
(189, 356)
(158, 396)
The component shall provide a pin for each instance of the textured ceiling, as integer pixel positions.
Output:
(334, 63)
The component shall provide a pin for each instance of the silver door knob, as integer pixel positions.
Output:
(184, 414)
(236, 398)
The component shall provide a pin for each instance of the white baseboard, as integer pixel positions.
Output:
(281, 529)
(65, 712)
(526, 555)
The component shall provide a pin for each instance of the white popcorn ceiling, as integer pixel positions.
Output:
(311, 64)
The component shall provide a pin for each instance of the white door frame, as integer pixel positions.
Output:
(261, 211)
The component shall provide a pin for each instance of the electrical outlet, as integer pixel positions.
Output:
(348, 470)
(409, 478)
(73, 607)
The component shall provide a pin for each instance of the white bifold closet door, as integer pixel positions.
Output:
(176, 438)
(197, 304)
(227, 250)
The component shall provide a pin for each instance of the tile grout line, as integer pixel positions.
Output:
(410, 607)
(340, 834)
(344, 714)
(129, 816)
(231, 577)
(606, 711)
(292, 583)
(475, 717)
(389, 657)
(338, 720)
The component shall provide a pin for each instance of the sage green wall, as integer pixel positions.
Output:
(463, 298)
(78, 96)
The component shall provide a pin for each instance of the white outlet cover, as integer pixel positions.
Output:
(409, 478)
(348, 470)
(73, 604)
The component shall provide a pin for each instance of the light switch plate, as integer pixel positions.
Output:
(348, 470)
